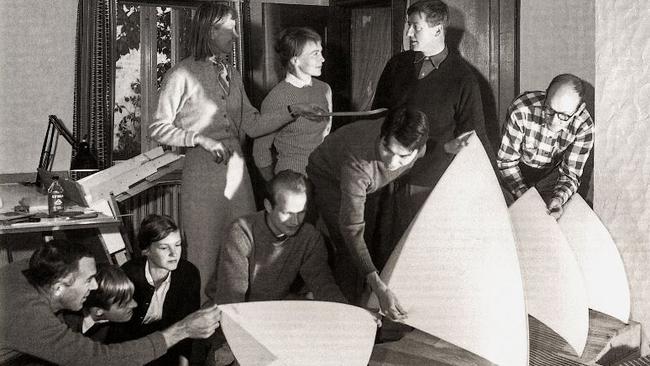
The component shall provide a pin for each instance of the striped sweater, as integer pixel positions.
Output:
(295, 141)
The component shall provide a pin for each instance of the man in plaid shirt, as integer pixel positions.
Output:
(547, 139)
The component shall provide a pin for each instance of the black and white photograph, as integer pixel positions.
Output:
(325, 182)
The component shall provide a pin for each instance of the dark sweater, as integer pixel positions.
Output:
(348, 164)
(183, 298)
(98, 332)
(450, 98)
(28, 325)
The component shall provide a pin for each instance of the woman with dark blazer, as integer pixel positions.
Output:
(167, 288)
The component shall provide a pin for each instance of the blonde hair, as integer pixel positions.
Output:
(202, 22)
(113, 287)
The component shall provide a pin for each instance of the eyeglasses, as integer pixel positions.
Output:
(561, 116)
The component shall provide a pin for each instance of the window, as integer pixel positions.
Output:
(149, 40)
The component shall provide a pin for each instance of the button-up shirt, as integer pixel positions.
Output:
(155, 310)
(88, 322)
(430, 63)
(527, 139)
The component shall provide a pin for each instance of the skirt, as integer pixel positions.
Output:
(212, 196)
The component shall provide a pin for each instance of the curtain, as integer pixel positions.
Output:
(370, 39)
(94, 77)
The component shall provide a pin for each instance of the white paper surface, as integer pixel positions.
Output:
(605, 278)
(456, 270)
(293, 333)
(553, 284)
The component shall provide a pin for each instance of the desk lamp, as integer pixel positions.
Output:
(83, 162)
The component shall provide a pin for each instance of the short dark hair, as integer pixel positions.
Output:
(153, 228)
(287, 180)
(205, 15)
(113, 287)
(408, 126)
(53, 261)
(435, 12)
(292, 41)
(568, 79)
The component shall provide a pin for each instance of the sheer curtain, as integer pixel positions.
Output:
(94, 77)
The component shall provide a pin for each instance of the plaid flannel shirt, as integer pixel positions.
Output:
(526, 138)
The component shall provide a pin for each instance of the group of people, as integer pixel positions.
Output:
(311, 239)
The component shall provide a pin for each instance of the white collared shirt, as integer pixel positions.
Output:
(88, 323)
(296, 81)
(155, 310)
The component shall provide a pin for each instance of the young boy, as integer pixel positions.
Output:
(111, 302)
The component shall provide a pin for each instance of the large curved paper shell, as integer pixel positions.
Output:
(608, 290)
(553, 284)
(456, 270)
(297, 333)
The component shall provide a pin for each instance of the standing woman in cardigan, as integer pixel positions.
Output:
(202, 105)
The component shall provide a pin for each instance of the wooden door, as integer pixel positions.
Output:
(483, 31)
(484, 34)
(264, 22)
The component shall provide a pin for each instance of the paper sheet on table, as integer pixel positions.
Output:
(296, 333)
(553, 283)
(608, 290)
(455, 270)
(110, 237)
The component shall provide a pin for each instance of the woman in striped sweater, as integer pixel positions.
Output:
(300, 53)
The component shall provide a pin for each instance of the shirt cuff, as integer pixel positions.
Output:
(562, 194)
(190, 138)
(519, 191)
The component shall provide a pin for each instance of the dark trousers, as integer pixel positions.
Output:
(543, 179)
(326, 205)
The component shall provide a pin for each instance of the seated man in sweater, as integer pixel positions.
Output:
(111, 302)
(548, 136)
(60, 276)
(353, 162)
(265, 252)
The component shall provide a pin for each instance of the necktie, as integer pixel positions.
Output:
(222, 72)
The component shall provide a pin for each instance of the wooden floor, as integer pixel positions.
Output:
(645, 361)
(419, 348)
(546, 347)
